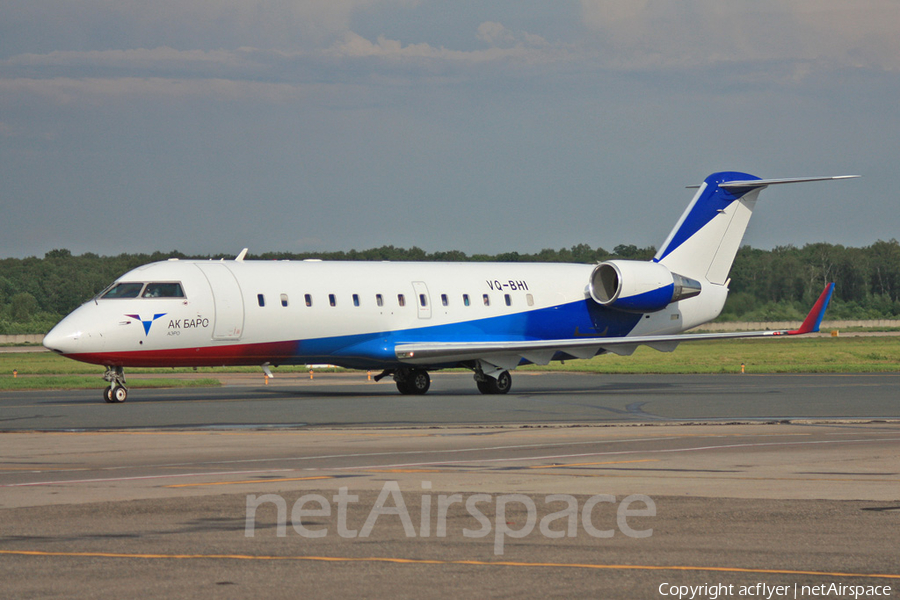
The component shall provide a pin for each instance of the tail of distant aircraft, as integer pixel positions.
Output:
(706, 239)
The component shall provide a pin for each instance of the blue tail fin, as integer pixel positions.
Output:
(706, 239)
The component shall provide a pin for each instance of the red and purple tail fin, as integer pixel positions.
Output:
(814, 318)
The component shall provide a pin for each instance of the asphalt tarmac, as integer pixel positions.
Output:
(570, 486)
(351, 400)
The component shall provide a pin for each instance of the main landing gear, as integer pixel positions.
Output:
(116, 392)
(500, 384)
(412, 381)
(417, 381)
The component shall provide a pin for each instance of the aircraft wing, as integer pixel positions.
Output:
(508, 354)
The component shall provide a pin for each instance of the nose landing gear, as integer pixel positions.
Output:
(116, 392)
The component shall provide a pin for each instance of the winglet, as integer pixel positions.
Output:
(814, 318)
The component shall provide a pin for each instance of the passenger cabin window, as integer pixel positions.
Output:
(465, 299)
(163, 290)
(124, 290)
(308, 299)
(529, 299)
(487, 300)
(332, 300)
(261, 299)
(423, 301)
(507, 299)
(379, 300)
(355, 299)
(401, 300)
(284, 300)
(444, 300)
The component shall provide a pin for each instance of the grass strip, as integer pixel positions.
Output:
(49, 363)
(783, 355)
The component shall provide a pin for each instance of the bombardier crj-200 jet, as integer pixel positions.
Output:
(406, 319)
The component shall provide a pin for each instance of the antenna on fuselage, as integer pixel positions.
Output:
(240, 257)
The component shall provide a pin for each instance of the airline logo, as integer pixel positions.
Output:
(146, 324)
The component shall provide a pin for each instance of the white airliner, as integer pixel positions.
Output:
(406, 319)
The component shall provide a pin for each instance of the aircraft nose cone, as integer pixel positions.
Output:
(71, 335)
(61, 340)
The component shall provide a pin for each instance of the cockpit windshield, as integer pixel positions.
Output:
(167, 289)
(124, 290)
(163, 290)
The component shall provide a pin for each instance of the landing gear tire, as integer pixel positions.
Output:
(499, 385)
(119, 394)
(416, 382)
(116, 392)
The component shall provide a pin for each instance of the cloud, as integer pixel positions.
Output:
(755, 43)
(136, 59)
(97, 91)
(505, 45)
(202, 24)
(355, 46)
(495, 34)
(94, 76)
(652, 33)
(279, 63)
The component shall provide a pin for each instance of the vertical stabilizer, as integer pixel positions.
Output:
(706, 239)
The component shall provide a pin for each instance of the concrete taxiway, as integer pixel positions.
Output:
(571, 486)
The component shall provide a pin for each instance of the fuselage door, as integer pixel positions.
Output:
(423, 301)
(227, 299)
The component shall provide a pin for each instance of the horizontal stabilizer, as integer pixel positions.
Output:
(757, 183)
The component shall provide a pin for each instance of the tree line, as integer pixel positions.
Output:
(766, 285)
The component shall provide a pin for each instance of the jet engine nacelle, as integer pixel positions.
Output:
(637, 286)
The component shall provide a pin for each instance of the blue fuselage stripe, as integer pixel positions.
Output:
(566, 321)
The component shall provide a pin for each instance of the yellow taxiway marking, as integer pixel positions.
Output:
(40, 469)
(281, 430)
(405, 471)
(279, 480)
(657, 475)
(611, 462)
(423, 561)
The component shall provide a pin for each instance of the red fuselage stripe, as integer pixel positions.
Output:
(211, 356)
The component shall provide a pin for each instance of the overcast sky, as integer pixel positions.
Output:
(133, 126)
